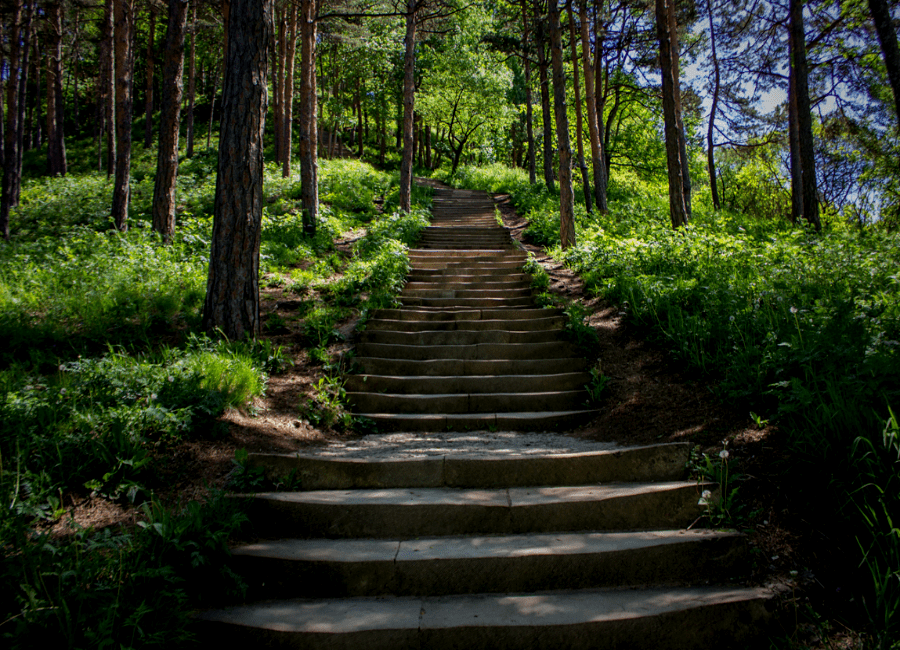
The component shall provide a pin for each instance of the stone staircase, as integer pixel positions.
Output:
(468, 349)
(585, 550)
(463, 549)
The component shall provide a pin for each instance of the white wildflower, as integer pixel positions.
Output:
(793, 310)
(170, 378)
(724, 454)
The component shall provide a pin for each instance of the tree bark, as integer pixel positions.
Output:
(277, 48)
(598, 164)
(887, 38)
(288, 94)
(148, 94)
(212, 102)
(308, 127)
(794, 143)
(710, 150)
(804, 117)
(585, 183)
(192, 88)
(232, 293)
(12, 117)
(23, 96)
(56, 146)
(545, 105)
(529, 117)
(108, 84)
(170, 122)
(124, 16)
(566, 195)
(678, 202)
(409, 98)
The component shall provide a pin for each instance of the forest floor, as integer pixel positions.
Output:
(647, 400)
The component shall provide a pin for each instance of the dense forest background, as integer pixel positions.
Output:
(726, 173)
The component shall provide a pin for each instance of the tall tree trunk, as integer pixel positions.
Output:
(598, 164)
(667, 55)
(529, 117)
(710, 147)
(108, 83)
(76, 123)
(56, 146)
(212, 101)
(794, 143)
(585, 183)
(428, 146)
(278, 54)
(12, 117)
(682, 140)
(887, 38)
(232, 290)
(804, 117)
(541, 41)
(409, 98)
(308, 127)
(192, 74)
(566, 195)
(124, 15)
(288, 95)
(23, 96)
(170, 122)
(148, 94)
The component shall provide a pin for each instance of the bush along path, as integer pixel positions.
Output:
(473, 550)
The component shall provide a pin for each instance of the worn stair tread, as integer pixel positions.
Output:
(476, 469)
(439, 367)
(593, 618)
(471, 384)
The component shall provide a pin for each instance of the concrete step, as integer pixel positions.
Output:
(438, 566)
(675, 618)
(483, 384)
(439, 283)
(370, 402)
(512, 351)
(460, 337)
(519, 325)
(465, 314)
(403, 513)
(445, 367)
(466, 275)
(443, 292)
(652, 463)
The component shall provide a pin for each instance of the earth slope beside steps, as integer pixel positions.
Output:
(466, 548)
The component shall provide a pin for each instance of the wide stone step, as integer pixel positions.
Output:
(437, 367)
(484, 384)
(512, 351)
(437, 566)
(652, 463)
(443, 283)
(464, 403)
(465, 314)
(459, 337)
(685, 618)
(481, 303)
(403, 513)
(443, 292)
(466, 275)
(520, 325)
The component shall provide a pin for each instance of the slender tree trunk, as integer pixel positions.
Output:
(108, 84)
(124, 15)
(33, 133)
(170, 122)
(598, 164)
(12, 117)
(586, 184)
(428, 146)
(667, 54)
(76, 123)
(192, 89)
(804, 117)
(710, 147)
(545, 104)
(288, 95)
(56, 145)
(529, 117)
(212, 102)
(278, 55)
(148, 95)
(682, 140)
(566, 195)
(887, 38)
(232, 290)
(309, 129)
(23, 96)
(794, 143)
(409, 98)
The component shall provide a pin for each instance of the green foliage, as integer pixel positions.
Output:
(117, 588)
